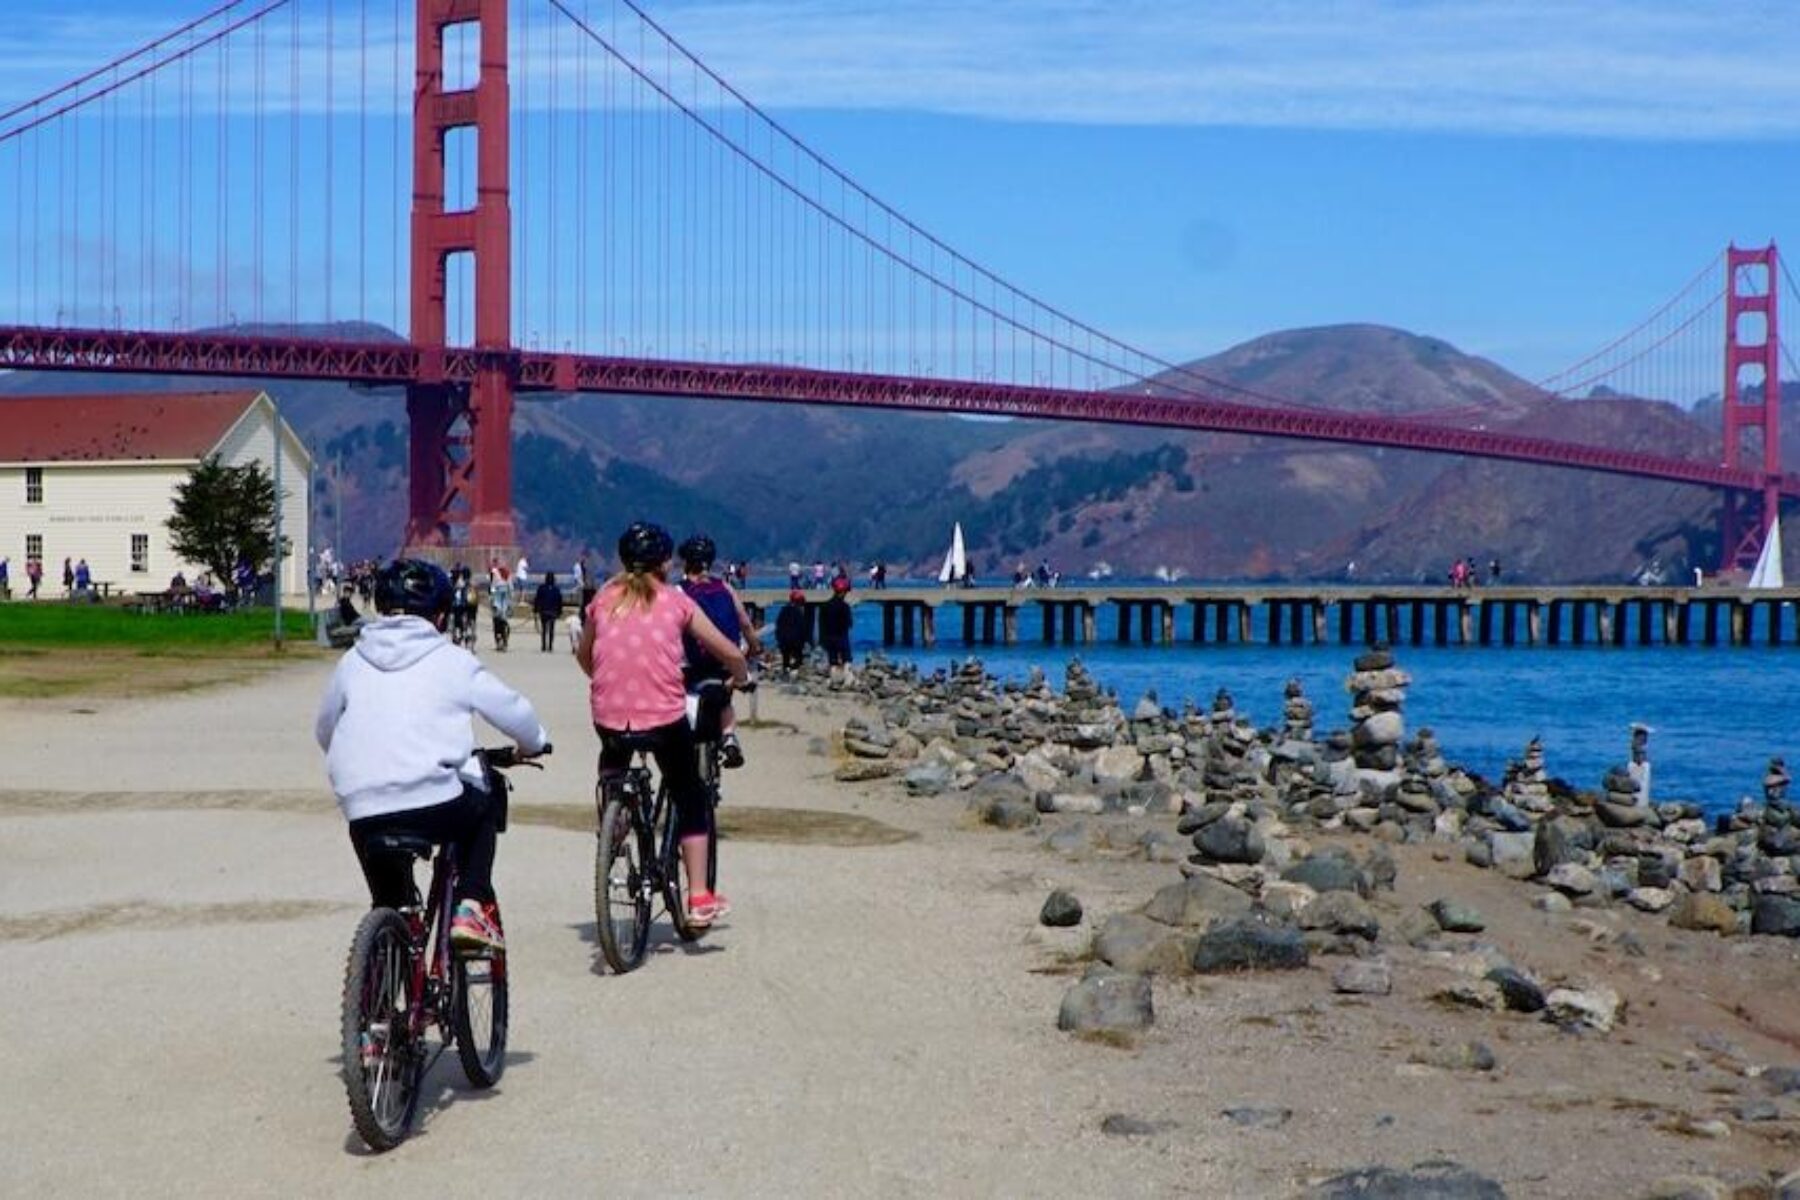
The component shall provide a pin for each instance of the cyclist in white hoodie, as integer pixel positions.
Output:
(399, 745)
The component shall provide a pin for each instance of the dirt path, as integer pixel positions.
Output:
(176, 897)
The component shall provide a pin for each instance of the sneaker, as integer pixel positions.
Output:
(475, 929)
(706, 907)
(731, 754)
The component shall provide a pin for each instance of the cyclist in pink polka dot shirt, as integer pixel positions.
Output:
(632, 653)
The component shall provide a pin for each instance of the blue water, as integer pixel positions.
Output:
(1718, 713)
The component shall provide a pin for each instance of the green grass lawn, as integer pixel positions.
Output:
(54, 624)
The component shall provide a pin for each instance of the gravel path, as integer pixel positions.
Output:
(176, 897)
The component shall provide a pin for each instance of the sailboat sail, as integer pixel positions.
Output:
(956, 563)
(1768, 563)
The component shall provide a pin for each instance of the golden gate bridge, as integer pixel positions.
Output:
(221, 200)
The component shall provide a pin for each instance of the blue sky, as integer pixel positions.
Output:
(1525, 178)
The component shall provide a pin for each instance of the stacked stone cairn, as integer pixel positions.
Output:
(1248, 802)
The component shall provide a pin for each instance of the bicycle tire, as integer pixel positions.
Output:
(381, 1069)
(674, 895)
(480, 1035)
(620, 883)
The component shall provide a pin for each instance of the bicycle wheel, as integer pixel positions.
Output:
(382, 1061)
(621, 890)
(675, 895)
(479, 1013)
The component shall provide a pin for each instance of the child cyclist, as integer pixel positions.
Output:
(399, 745)
(721, 606)
(631, 649)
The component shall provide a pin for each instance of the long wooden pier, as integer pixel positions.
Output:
(1619, 615)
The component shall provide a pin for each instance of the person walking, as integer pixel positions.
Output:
(34, 576)
(835, 621)
(793, 630)
(68, 577)
(5, 579)
(547, 604)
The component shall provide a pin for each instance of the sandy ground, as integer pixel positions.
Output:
(875, 1018)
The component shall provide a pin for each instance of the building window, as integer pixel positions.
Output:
(34, 547)
(34, 485)
(140, 552)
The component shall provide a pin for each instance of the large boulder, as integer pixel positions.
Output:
(1562, 840)
(1229, 840)
(1118, 765)
(1107, 1001)
(1249, 943)
(1699, 910)
(1343, 913)
(1778, 915)
(1135, 943)
(1329, 873)
(1198, 900)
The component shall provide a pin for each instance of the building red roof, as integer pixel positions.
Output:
(152, 426)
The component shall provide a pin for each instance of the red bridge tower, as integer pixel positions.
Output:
(461, 434)
(1752, 423)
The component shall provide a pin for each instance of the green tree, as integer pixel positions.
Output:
(225, 513)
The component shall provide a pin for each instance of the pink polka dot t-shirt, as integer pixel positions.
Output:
(637, 681)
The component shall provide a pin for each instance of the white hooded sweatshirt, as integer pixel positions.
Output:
(394, 723)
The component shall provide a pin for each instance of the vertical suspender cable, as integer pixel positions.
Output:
(362, 188)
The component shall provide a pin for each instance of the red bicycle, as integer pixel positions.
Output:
(403, 980)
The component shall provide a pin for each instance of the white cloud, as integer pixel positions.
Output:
(1686, 69)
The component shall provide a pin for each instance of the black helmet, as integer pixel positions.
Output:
(645, 545)
(699, 551)
(413, 586)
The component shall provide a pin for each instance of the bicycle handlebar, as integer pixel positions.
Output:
(503, 758)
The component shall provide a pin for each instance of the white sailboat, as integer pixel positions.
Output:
(1768, 564)
(956, 560)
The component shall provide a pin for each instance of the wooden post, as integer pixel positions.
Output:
(1088, 631)
(1010, 616)
(887, 624)
(928, 618)
(1274, 622)
(1534, 621)
(1197, 609)
(1168, 624)
(1318, 621)
(1243, 621)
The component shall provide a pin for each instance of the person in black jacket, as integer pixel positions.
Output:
(547, 604)
(793, 630)
(835, 619)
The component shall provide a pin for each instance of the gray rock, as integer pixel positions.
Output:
(1519, 991)
(1623, 816)
(1562, 840)
(1380, 729)
(1462, 1056)
(1118, 764)
(1364, 977)
(1781, 1081)
(1074, 802)
(1194, 820)
(1230, 840)
(1196, 901)
(1123, 1125)
(1061, 910)
(1453, 916)
(1757, 1110)
(1250, 1117)
(861, 770)
(1778, 915)
(1554, 903)
(1135, 943)
(1425, 1181)
(1341, 912)
(1571, 879)
(928, 778)
(1010, 813)
(1329, 873)
(1596, 1008)
(1249, 944)
(1071, 841)
(1687, 1187)
(1107, 1001)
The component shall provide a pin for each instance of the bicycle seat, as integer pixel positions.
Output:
(633, 743)
(402, 843)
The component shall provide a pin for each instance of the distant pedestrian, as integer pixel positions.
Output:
(34, 575)
(793, 575)
(547, 604)
(522, 573)
(835, 621)
(68, 577)
(793, 630)
(818, 573)
(84, 579)
(1494, 572)
(5, 579)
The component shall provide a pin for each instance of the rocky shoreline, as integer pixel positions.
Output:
(1281, 843)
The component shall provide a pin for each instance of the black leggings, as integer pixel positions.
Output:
(672, 746)
(546, 631)
(467, 821)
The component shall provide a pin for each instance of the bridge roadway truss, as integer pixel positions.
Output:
(403, 365)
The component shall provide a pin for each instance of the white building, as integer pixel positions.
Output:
(94, 477)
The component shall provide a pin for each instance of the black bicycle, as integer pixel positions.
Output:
(403, 979)
(638, 857)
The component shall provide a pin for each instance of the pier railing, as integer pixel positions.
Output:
(1606, 615)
